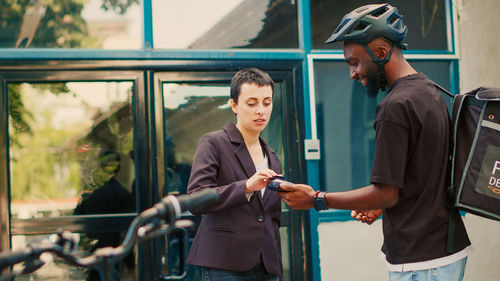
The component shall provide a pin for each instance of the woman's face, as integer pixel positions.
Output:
(254, 107)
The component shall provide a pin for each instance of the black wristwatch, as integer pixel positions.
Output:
(319, 201)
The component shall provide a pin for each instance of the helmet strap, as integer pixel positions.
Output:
(380, 64)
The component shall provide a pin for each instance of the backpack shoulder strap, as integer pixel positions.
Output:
(443, 89)
(457, 105)
(458, 101)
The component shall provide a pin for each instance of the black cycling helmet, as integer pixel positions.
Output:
(368, 22)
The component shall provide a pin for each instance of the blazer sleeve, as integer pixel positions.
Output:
(204, 174)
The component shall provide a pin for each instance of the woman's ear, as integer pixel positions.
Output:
(233, 105)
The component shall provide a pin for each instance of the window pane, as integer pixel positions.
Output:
(100, 24)
(223, 24)
(70, 148)
(60, 270)
(426, 21)
(345, 117)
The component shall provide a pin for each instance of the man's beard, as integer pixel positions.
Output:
(372, 80)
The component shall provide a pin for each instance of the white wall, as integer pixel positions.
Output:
(478, 41)
(350, 250)
(484, 234)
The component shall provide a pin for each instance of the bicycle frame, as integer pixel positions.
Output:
(144, 226)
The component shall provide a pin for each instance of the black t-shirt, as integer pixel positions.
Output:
(412, 130)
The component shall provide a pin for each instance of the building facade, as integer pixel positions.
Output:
(116, 94)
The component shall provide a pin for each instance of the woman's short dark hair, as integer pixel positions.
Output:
(252, 76)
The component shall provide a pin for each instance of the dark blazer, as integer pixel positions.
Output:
(234, 232)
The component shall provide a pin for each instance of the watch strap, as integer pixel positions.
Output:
(319, 201)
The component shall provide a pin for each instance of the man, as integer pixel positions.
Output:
(109, 197)
(409, 173)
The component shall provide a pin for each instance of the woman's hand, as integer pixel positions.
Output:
(259, 180)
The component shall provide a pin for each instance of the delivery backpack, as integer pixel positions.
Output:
(475, 154)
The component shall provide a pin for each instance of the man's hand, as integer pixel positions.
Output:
(368, 216)
(297, 196)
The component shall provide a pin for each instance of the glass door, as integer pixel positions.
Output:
(71, 167)
(71, 136)
(195, 103)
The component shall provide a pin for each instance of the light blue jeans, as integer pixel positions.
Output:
(451, 272)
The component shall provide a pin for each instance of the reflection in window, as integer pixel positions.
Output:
(70, 147)
(101, 24)
(223, 24)
(58, 269)
(426, 21)
(345, 117)
(190, 112)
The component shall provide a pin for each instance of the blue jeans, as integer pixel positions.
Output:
(257, 273)
(451, 272)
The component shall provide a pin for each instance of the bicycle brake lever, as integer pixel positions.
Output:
(184, 224)
(66, 241)
(143, 231)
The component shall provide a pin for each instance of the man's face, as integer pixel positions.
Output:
(362, 67)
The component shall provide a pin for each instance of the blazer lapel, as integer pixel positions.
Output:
(241, 151)
(245, 159)
(274, 164)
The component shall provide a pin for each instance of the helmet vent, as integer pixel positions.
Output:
(392, 20)
(341, 25)
(361, 26)
(361, 9)
(380, 12)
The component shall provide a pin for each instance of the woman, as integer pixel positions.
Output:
(238, 238)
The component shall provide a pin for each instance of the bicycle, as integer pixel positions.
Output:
(155, 221)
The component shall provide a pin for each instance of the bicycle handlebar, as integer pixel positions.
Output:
(170, 208)
(11, 258)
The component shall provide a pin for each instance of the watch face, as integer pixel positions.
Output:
(320, 203)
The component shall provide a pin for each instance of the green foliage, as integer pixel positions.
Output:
(60, 26)
(120, 5)
(42, 168)
(18, 114)
(20, 117)
(53, 87)
(42, 163)
(52, 161)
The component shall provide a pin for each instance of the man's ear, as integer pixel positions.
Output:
(381, 51)
(380, 47)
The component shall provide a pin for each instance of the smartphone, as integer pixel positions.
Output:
(274, 183)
